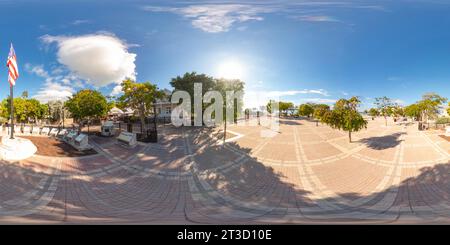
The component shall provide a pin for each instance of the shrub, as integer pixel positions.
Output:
(443, 120)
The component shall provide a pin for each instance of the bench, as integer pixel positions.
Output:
(36, 130)
(45, 130)
(127, 139)
(26, 130)
(62, 133)
(54, 132)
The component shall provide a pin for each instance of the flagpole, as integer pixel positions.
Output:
(12, 110)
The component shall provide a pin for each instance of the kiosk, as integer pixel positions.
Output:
(107, 129)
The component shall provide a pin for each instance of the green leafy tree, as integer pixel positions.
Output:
(429, 105)
(397, 111)
(384, 105)
(319, 111)
(43, 111)
(36, 110)
(25, 110)
(284, 106)
(187, 81)
(6, 108)
(345, 116)
(305, 110)
(413, 111)
(21, 110)
(373, 112)
(87, 104)
(448, 109)
(139, 96)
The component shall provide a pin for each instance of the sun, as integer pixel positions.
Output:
(231, 69)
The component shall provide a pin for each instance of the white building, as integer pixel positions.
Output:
(163, 106)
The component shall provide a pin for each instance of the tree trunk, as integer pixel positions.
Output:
(350, 136)
(385, 121)
(142, 117)
(80, 123)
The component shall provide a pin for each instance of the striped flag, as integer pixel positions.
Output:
(12, 65)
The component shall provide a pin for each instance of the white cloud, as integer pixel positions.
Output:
(373, 7)
(57, 70)
(101, 58)
(54, 91)
(254, 99)
(216, 18)
(79, 22)
(317, 18)
(56, 87)
(220, 16)
(116, 90)
(296, 92)
(242, 28)
(318, 100)
(37, 70)
(399, 102)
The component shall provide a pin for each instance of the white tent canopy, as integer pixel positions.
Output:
(129, 111)
(115, 111)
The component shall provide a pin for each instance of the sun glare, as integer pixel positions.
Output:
(231, 70)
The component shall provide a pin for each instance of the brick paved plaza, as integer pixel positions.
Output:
(304, 174)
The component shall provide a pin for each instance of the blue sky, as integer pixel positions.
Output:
(316, 51)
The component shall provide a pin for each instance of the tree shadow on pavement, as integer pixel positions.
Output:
(230, 181)
(382, 142)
